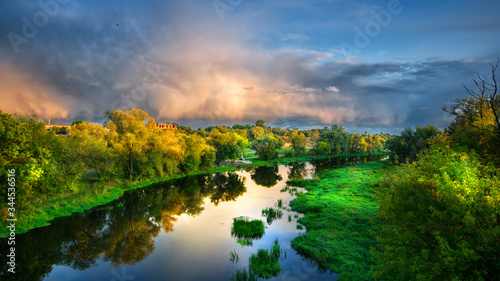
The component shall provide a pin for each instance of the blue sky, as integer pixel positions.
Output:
(368, 65)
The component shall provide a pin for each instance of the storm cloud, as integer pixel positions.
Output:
(179, 61)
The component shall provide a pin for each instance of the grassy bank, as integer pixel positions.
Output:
(66, 204)
(97, 194)
(339, 213)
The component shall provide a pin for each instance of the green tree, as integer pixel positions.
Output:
(27, 147)
(477, 119)
(266, 147)
(322, 148)
(260, 123)
(440, 220)
(411, 142)
(101, 156)
(130, 131)
(171, 149)
(229, 145)
(298, 141)
(336, 138)
(256, 132)
(198, 153)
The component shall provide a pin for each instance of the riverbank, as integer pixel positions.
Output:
(94, 195)
(40, 214)
(340, 213)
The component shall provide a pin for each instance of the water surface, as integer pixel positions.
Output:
(175, 230)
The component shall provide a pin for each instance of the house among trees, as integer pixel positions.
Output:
(58, 129)
(165, 126)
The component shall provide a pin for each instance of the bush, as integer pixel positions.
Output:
(441, 220)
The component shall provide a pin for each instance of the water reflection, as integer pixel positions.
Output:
(266, 176)
(137, 230)
(322, 165)
(119, 233)
(297, 170)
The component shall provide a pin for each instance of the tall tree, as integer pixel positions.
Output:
(336, 138)
(298, 141)
(266, 147)
(260, 123)
(477, 124)
(229, 145)
(130, 131)
(411, 142)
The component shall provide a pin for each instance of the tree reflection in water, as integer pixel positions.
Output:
(266, 176)
(123, 234)
(297, 170)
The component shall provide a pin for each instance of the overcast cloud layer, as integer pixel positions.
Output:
(183, 60)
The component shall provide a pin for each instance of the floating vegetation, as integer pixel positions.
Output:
(280, 203)
(244, 228)
(233, 256)
(266, 262)
(290, 190)
(242, 275)
(272, 214)
(245, 241)
(289, 218)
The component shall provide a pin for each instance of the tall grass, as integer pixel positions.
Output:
(266, 262)
(243, 227)
(272, 214)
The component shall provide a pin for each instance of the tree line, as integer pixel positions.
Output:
(129, 146)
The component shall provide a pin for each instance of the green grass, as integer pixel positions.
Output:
(272, 214)
(243, 227)
(339, 216)
(245, 241)
(280, 203)
(266, 262)
(48, 208)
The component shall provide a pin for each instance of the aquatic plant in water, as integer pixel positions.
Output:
(233, 256)
(266, 262)
(272, 214)
(280, 203)
(243, 227)
(245, 241)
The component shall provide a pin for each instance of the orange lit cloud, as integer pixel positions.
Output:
(21, 94)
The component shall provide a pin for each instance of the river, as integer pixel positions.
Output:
(175, 230)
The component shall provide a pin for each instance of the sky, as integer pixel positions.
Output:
(367, 65)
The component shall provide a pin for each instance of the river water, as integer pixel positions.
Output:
(175, 230)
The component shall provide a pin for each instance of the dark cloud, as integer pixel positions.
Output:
(179, 62)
